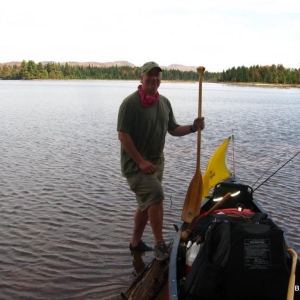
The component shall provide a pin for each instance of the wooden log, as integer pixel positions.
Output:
(149, 283)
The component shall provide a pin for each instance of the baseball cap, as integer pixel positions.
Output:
(148, 66)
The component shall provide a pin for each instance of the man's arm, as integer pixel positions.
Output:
(128, 145)
(182, 130)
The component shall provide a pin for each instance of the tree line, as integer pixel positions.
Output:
(31, 70)
(260, 74)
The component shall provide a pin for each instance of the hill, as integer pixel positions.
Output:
(107, 64)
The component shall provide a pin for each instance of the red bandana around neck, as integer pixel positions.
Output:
(147, 100)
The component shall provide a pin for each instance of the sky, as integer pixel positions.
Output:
(216, 34)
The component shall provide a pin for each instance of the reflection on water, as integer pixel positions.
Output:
(67, 213)
(138, 262)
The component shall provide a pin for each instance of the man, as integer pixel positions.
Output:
(144, 119)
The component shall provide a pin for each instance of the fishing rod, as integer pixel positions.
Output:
(276, 162)
(276, 171)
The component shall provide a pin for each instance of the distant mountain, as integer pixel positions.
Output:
(11, 63)
(181, 68)
(107, 64)
(99, 64)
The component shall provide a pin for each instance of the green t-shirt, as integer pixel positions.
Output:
(147, 127)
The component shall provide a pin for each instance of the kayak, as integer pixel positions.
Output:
(232, 250)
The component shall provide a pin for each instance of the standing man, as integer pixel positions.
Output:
(144, 119)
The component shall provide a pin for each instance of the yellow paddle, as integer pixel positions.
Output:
(191, 206)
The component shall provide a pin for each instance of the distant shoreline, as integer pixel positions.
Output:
(259, 84)
(253, 84)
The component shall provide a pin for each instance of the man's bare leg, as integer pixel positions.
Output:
(140, 222)
(155, 214)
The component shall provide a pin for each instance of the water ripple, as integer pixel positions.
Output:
(67, 213)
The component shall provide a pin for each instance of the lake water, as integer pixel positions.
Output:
(66, 211)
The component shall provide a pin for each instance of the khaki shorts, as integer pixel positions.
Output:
(147, 188)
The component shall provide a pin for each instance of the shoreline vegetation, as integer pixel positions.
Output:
(267, 85)
(262, 76)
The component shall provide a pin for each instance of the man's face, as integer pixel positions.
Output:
(151, 81)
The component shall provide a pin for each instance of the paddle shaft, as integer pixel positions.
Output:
(191, 206)
(200, 70)
(291, 286)
(219, 203)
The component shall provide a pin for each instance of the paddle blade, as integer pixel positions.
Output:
(191, 207)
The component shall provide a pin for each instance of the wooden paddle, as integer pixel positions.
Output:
(191, 206)
(291, 286)
(219, 203)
